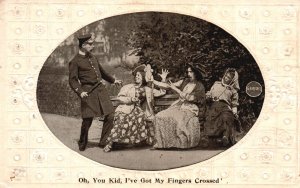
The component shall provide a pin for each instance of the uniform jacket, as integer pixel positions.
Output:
(85, 73)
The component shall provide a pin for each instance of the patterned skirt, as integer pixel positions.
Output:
(175, 128)
(130, 128)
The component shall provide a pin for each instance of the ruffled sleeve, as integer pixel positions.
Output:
(124, 96)
(159, 92)
(234, 98)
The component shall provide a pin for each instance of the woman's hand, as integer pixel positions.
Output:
(208, 95)
(164, 74)
(172, 86)
(235, 112)
(134, 99)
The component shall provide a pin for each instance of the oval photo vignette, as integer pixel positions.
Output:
(139, 125)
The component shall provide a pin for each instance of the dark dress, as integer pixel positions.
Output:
(220, 120)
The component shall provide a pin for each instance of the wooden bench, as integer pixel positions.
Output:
(160, 103)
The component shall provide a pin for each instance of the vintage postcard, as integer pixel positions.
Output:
(136, 93)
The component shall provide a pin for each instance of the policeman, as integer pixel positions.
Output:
(85, 78)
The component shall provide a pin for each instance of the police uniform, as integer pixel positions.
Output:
(85, 75)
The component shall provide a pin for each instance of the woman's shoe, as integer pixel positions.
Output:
(107, 148)
(225, 141)
(204, 142)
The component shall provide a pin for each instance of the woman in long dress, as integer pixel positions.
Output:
(130, 119)
(178, 126)
(221, 115)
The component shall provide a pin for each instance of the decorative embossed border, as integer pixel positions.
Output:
(31, 30)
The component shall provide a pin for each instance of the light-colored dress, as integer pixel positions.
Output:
(130, 121)
(178, 126)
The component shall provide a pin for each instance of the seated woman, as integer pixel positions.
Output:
(178, 126)
(129, 125)
(220, 115)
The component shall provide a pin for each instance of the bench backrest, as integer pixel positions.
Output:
(160, 103)
(163, 101)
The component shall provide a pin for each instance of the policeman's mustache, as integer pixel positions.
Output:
(88, 54)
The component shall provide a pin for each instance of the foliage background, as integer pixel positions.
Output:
(164, 40)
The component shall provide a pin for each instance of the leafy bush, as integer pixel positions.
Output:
(164, 40)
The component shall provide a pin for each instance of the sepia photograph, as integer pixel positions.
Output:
(150, 91)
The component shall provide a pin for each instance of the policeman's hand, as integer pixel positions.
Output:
(83, 94)
(118, 82)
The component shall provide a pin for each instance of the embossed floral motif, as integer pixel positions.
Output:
(266, 13)
(244, 174)
(287, 157)
(59, 174)
(28, 100)
(17, 121)
(18, 30)
(18, 48)
(39, 156)
(18, 174)
(265, 156)
(265, 30)
(59, 157)
(224, 174)
(17, 157)
(28, 83)
(14, 82)
(18, 11)
(60, 13)
(59, 30)
(17, 139)
(288, 50)
(245, 13)
(15, 100)
(289, 13)
(244, 156)
(80, 13)
(17, 66)
(284, 138)
(287, 175)
(39, 12)
(265, 139)
(39, 29)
